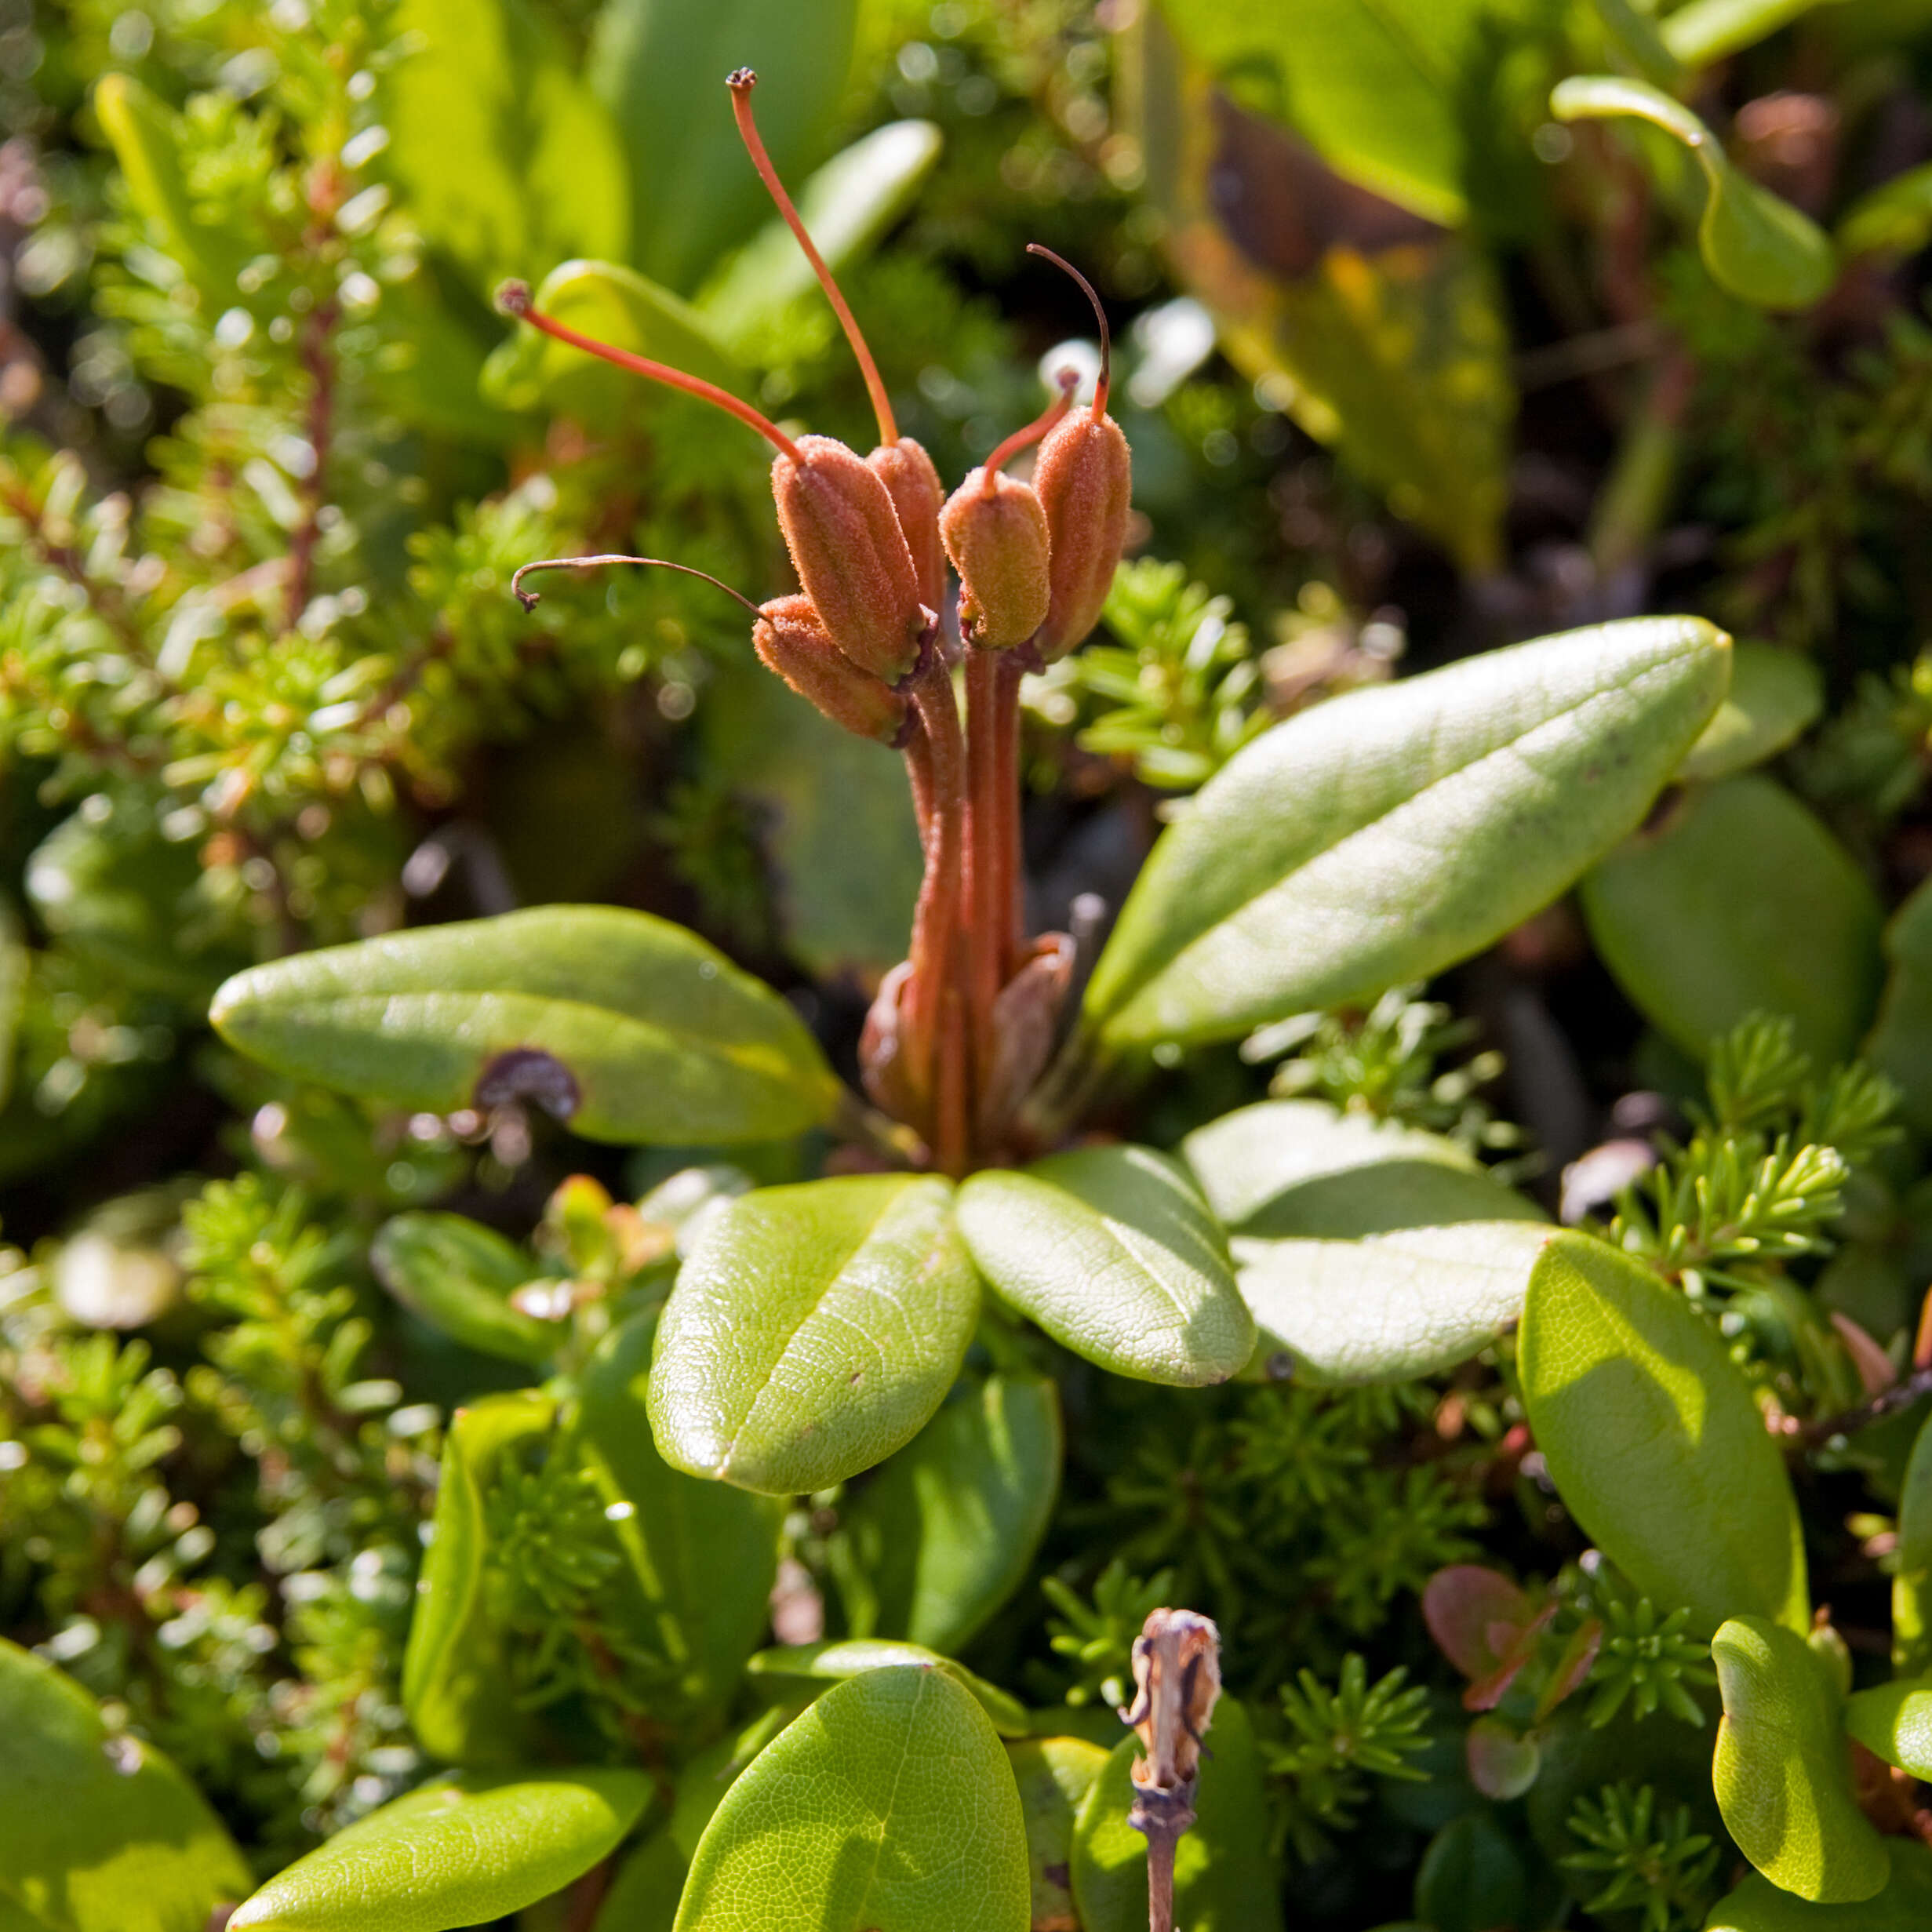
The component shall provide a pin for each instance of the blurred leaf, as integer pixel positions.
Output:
(14, 966)
(627, 1027)
(458, 1276)
(644, 1896)
(1774, 696)
(1894, 1722)
(889, 1803)
(1503, 1763)
(1653, 1442)
(812, 1331)
(1782, 1772)
(1054, 1775)
(102, 1834)
(1472, 1877)
(947, 1530)
(1384, 835)
(1900, 1045)
(1704, 31)
(790, 1665)
(1905, 1904)
(1912, 1581)
(1758, 246)
(506, 159)
(659, 65)
(1894, 218)
(1113, 1251)
(459, 1850)
(847, 206)
(1738, 901)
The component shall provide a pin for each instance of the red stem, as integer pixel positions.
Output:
(988, 892)
(1007, 787)
(936, 919)
(1069, 381)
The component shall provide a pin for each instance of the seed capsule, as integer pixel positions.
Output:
(995, 533)
(917, 493)
(1085, 479)
(851, 555)
(790, 640)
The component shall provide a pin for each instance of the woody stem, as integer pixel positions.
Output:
(1007, 745)
(936, 919)
(988, 885)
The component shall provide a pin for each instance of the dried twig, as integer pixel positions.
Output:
(1176, 1676)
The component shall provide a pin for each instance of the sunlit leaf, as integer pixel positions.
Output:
(789, 1666)
(1905, 1904)
(1894, 1722)
(458, 1276)
(1774, 696)
(1054, 1775)
(1706, 31)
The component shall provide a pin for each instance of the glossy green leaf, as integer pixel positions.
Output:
(507, 160)
(704, 1555)
(1900, 1045)
(1738, 901)
(101, 1833)
(1905, 1904)
(453, 1670)
(616, 305)
(1652, 1437)
(1782, 1771)
(643, 1896)
(1472, 1877)
(793, 1664)
(812, 1331)
(846, 206)
(659, 65)
(1054, 1775)
(888, 1804)
(1382, 836)
(459, 1850)
(946, 1532)
(1775, 694)
(1894, 1722)
(1758, 246)
(1224, 1880)
(631, 1029)
(458, 1276)
(1389, 1306)
(1113, 1252)
(1912, 1581)
(1894, 218)
(1706, 30)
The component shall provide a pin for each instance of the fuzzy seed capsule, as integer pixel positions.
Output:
(789, 639)
(850, 554)
(917, 494)
(1084, 478)
(997, 541)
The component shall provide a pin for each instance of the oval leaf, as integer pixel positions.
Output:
(792, 1665)
(1384, 835)
(458, 1851)
(1472, 1877)
(1649, 1432)
(1782, 1772)
(1740, 901)
(1054, 1775)
(458, 1276)
(1901, 1047)
(1774, 696)
(889, 1803)
(945, 1533)
(102, 1833)
(1705, 30)
(1758, 246)
(1224, 1880)
(812, 1331)
(628, 1027)
(1112, 1250)
(1904, 1905)
(1911, 1581)
(1894, 1721)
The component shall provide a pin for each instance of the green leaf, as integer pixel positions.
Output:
(704, 1555)
(1900, 1045)
(1904, 1905)
(506, 159)
(1224, 1881)
(846, 207)
(628, 1027)
(1113, 1251)
(453, 1668)
(792, 1665)
(946, 1531)
(458, 1276)
(1054, 1775)
(1384, 835)
(702, 1782)
(660, 68)
(1781, 1771)
(461, 1851)
(1758, 246)
(102, 1833)
(889, 1803)
(1738, 901)
(1708, 31)
(1894, 1722)
(1650, 1435)
(529, 371)
(1911, 1581)
(812, 1331)
(1774, 696)
(14, 967)
(1472, 1877)
(644, 1896)
(1894, 218)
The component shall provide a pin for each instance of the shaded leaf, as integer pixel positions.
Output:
(458, 1276)
(790, 1665)
(644, 1896)
(1054, 1775)
(814, 1329)
(1113, 1253)
(1472, 1877)
(1900, 1045)
(1894, 1722)
(1905, 1904)
(888, 1803)
(1894, 218)
(1774, 695)
(702, 1784)
(1502, 1762)
(1911, 1580)
(1650, 1435)
(1383, 835)
(459, 1850)
(650, 1034)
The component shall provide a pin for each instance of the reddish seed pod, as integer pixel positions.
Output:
(851, 555)
(995, 533)
(917, 493)
(789, 639)
(1085, 479)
